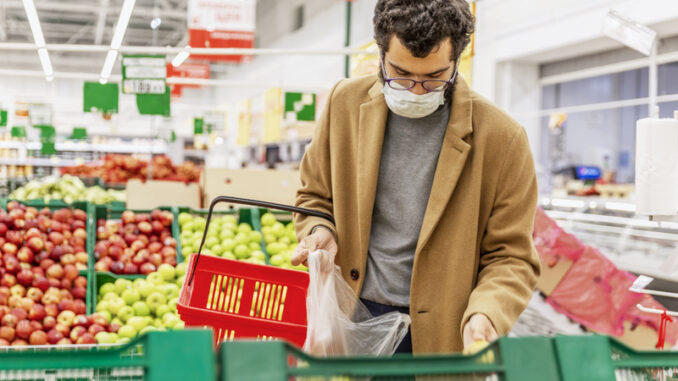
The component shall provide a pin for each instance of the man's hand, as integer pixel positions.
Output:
(478, 328)
(321, 239)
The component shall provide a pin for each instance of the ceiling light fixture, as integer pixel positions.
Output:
(116, 42)
(39, 39)
(181, 56)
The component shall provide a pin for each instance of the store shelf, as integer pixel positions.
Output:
(158, 148)
(54, 162)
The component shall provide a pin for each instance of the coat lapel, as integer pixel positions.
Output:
(373, 116)
(453, 155)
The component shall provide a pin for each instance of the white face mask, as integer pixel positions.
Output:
(410, 105)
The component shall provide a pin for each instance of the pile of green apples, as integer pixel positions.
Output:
(225, 238)
(145, 304)
(281, 240)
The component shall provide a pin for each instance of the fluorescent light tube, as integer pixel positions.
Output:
(121, 26)
(181, 57)
(108, 64)
(33, 20)
(630, 33)
(45, 62)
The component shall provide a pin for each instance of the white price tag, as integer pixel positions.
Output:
(144, 86)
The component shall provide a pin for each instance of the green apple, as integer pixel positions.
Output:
(285, 241)
(170, 320)
(110, 295)
(179, 326)
(155, 299)
(117, 321)
(278, 229)
(211, 241)
(172, 304)
(106, 288)
(242, 239)
(122, 284)
(274, 248)
(241, 252)
(230, 225)
(141, 308)
(270, 238)
(138, 322)
(181, 269)
(217, 250)
(130, 296)
(127, 331)
(147, 329)
(125, 313)
(226, 234)
(157, 323)
(180, 283)
(228, 255)
(228, 244)
(104, 338)
(277, 260)
(115, 305)
(146, 288)
(113, 336)
(230, 219)
(244, 228)
(123, 340)
(162, 310)
(287, 254)
(106, 314)
(155, 277)
(171, 290)
(258, 254)
(199, 224)
(138, 282)
(167, 271)
(184, 218)
(255, 237)
(268, 219)
(266, 230)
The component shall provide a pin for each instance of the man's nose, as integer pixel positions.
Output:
(419, 89)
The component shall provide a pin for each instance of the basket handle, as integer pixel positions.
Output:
(262, 204)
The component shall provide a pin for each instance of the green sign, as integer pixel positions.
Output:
(100, 98)
(300, 106)
(18, 132)
(79, 133)
(143, 74)
(198, 126)
(3, 118)
(47, 139)
(154, 104)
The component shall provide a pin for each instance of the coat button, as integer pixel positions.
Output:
(355, 274)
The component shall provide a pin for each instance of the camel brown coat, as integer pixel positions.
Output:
(475, 251)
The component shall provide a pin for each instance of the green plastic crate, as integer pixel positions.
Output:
(564, 358)
(250, 216)
(91, 233)
(155, 356)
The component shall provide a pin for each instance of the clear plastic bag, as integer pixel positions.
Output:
(338, 323)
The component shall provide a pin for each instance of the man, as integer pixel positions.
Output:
(432, 188)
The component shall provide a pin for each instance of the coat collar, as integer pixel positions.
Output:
(453, 154)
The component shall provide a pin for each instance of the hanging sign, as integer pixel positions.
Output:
(154, 104)
(187, 70)
(299, 107)
(273, 115)
(3, 118)
(198, 124)
(221, 24)
(143, 74)
(100, 98)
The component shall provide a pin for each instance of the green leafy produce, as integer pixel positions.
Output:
(67, 188)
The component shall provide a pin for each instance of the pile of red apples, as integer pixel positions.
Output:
(136, 244)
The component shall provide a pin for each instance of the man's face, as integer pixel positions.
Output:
(400, 63)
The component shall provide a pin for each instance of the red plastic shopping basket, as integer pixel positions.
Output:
(244, 300)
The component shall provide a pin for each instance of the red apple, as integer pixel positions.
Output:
(25, 255)
(129, 238)
(53, 336)
(145, 227)
(8, 280)
(155, 259)
(49, 322)
(81, 321)
(37, 272)
(24, 329)
(19, 224)
(54, 283)
(52, 310)
(80, 281)
(36, 244)
(102, 233)
(11, 263)
(4, 343)
(64, 341)
(66, 317)
(68, 259)
(169, 241)
(143, 217)
(35, 294)
(117, 267)
(86, 338)
(76, 332)
(114, 327)
(13, 301)
(36, 325)
(20, 313)
(153, 238)
(38, 338)
(62, 215)
(101, 266)
(41, 283)
(46, 263)
(157, 226)
(79, 215)
(37, 312)
(128, 217)
(56, 271)
(26, 304)
(4, 310)
(131, 268)
(25, 277)
(17, 290)
(70, 271)
(3, 228)
(170, 261)
(9, 320)
(168, 252)
(79, 292)
(143, 238)
(14, 237)
(19, 343)
(65, 294)
(80, 306)
(137, 245)
(154, 247)
(7, 333)
(147, 268)
(141, 257)
(9, 248)
(66, 305)
(66, 283)
(65, 330)
(50, 298)
(57, 226)
(96, 328)
(115, 252)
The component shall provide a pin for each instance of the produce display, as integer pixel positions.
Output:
(120, 168)
(225, 238)
(137, 244)
(281, 240)
(143, 305)
(67, 188)
(42, 294)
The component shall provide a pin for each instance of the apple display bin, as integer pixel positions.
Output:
(563, 358)
(101, 277)
(244, 300)
(250, 216)
(280, 216)
(105, 212)
(53, 205)
(155, 356)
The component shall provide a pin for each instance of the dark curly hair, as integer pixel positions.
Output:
(422, 24)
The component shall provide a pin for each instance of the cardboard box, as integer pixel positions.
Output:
(641, 337)
(279, 186)
(551, 276)
(154, 193)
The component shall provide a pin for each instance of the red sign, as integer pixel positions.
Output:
(200, 38)
(187, 70)
(221, 24)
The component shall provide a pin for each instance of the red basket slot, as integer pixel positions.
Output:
(244, 300)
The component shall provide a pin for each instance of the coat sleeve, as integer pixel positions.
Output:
(316, 177)
(509, 264)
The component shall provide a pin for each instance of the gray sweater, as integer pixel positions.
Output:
(408, 163)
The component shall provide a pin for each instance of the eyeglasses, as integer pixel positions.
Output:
(428, 84)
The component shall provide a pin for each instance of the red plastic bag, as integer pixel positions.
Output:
(595, 293)
(552, 242)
